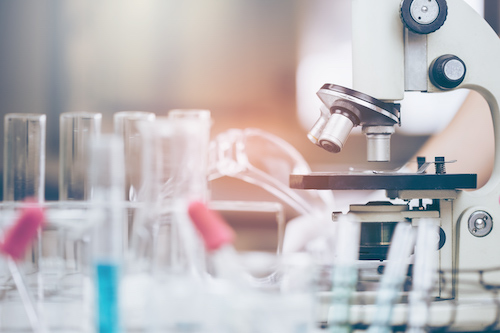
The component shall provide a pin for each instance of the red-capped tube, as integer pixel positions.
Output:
(214, 230)
(20, 235)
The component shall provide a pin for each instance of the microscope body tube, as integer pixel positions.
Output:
(378, 49)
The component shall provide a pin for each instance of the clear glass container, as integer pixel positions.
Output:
(126, 126)
(107, 180)
(175, 170)
(76, 131)
(24, 157)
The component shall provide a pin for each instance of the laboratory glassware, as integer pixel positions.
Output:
(16, 241)
(176, 147)
(126, 126)
(265, 160)
(345, 273)
(106, 181)
(24, 156)
(24, 178)
(393, 278)
(76, 129)
(424, 275)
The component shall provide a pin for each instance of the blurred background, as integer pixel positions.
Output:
(251, 63)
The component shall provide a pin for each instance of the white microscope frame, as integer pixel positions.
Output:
(380, 52)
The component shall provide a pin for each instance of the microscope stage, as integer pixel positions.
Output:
(383, 181)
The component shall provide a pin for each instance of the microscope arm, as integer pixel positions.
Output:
(478, 46)
(474, 117)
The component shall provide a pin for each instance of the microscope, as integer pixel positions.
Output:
(429, 46)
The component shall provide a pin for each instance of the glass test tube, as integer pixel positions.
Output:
(24, 177)
(126, 126)
(76, 131)
(189, 150)
(177, 146)
(24, 157)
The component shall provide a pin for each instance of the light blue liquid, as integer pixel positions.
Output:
(107, 285)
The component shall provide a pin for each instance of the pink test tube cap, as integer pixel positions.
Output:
(212, 227)
(24, 230)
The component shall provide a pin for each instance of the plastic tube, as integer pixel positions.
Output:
(76, 129)
(265, 160)
(393, 278)
(424, 274)
(106, 184)
(218, 238)
(24, 157)
(345, 274)
(16, 240)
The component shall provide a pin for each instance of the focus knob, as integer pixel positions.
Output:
(447, 71)
(424, 16)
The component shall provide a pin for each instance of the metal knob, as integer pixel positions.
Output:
(480, 223)
(447, 71)
(423, 16)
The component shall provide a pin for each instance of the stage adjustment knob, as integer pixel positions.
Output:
(424, 16)
(447, 71)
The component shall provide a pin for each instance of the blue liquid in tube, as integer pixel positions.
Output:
(107, 283)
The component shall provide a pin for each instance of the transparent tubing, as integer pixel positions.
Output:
(345, 273)
(126, 127)
(76, 129)
(424, 275)
(265, 160)
(393, 278)
(24, 157)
